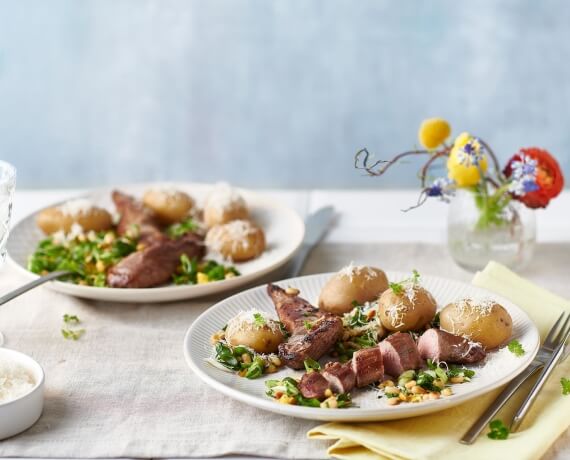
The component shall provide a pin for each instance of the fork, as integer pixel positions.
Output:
(555, 337)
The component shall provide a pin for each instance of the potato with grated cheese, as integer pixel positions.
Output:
(256, 330)
(407, 309)
(239, 240)
(358, 284)
(81, 212)
(170, 206)
(483, 321)
(223, 205)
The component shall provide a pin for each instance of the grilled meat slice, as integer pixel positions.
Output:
(368, 366)
(341, 377)
(399, 353)
(442, 346)
(314, 343)
(293, 311)
(135, 213)
(313, 385)
(155, 264)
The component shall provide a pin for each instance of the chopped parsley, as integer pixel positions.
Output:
(189, 269)
(358, 318)
(398, 288)
(308, 325)
(182, 228)
(498, 430)
(565, 385)
(311, 365)
(67, 332)
(516, 348)
(259, 320)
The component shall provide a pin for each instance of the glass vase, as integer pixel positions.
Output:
(477, 234)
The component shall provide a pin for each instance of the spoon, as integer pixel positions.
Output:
(31, 285)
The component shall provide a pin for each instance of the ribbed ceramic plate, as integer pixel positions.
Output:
(498, 368)
(284, 231)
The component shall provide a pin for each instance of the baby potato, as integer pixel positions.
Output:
(170, 206)
(239, 240)
(408, 310)
(256, 331)
(223, 205)
(352, 283)
(79, 212)
(485, 322)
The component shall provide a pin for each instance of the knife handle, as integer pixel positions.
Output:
(470, 436)
(299, 260)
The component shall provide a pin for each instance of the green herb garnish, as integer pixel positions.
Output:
(516, 348)
(398, 288)
(565, 385)
(308, 325)
(72, 334)
(187, 271)
(358, 318)
(311, 365)
(182, 228)
(259, 320)
(498, 430)
(255, 369)
(67, 319)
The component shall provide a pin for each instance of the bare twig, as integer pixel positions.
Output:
(370, 169)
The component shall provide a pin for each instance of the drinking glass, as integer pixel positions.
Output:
(7, 186)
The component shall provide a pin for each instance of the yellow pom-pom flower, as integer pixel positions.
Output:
(433, 132)
(467, 161)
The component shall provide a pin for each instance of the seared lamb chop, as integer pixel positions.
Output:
(368, 366)
(313, 385)
(313, 333)
(135, 213)
(400, 353)
(439, 345)
(365, 368)
(340, 376)
(155, 264)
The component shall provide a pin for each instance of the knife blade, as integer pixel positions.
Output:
(316, 226)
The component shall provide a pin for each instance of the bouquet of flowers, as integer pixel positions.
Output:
(531, 176)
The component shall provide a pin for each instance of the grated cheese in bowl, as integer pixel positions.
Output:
(15, 381)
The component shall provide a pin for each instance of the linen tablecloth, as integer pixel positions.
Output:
(124, 390)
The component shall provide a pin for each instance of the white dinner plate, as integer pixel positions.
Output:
(284, 231)
(498, 368)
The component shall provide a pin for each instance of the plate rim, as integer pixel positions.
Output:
(173, 292)
(354, 414)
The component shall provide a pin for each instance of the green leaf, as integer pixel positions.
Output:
(182, 228)
(516, 348)
(498, 430)
(565, 385)
(70, 334)
(67, 319)
(258, 319)
(397, 288)
(311, 365)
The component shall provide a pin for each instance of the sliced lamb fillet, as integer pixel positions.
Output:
(368, 366)
(400, 353)
(293, 311)
(439, 345)
(340, 376)
(134, 212)
(313, 385)
(324, 333)
(155, 264)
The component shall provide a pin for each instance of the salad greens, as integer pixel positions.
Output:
(88, 256)
(190, 271)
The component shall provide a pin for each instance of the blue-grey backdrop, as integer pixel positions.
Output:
(270, 93)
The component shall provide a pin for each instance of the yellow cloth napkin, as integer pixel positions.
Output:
(437, 435)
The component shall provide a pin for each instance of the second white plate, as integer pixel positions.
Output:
(498, 368)
(283, 228)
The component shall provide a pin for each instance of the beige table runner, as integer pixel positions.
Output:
(124, 390)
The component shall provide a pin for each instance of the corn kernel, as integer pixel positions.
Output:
(410, 384)
(458, 379)
(100, 266)
(418, 390)
(202, 278)
(446, 392)
(287, 399)
(387, 383)
(394, 390)
(230, 275)
(275, 360)
(328, 393)
(393, 401)
(271, 369)
(140, 246)
(292, 291)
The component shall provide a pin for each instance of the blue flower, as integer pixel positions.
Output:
(441, 187)
(523, 176)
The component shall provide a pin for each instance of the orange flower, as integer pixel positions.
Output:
(549, 177)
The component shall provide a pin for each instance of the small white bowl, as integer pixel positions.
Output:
(19, 414)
